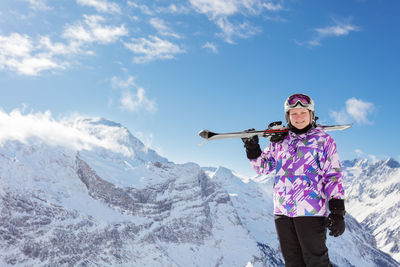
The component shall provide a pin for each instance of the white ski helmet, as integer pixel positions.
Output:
(299, 101)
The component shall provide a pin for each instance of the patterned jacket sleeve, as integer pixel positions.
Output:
(265, 163)
(332, 172)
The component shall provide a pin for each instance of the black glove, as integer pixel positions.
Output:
(335, 221)
(277, 137)
(253, 149)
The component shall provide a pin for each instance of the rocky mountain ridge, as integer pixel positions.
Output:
(373, 198)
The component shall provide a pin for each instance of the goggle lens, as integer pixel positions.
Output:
(305, 100)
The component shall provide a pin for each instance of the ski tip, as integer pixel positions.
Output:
(206, 134)
(339, 127)
(346, 126)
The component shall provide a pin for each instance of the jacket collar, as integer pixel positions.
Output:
(293, 136)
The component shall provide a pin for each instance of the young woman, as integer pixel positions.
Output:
(308, 181)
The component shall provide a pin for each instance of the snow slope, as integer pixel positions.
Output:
(373, 198)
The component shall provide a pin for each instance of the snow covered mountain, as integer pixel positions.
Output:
(103, 199)
(373, 198)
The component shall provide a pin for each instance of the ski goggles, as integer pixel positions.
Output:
(299, 99)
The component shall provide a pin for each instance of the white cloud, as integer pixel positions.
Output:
(16, 45)
(356, 110)
(340, 28)
(215, 8)
(229, 30)
(152, 49)
(359, 152)
(101, 5)
(174, 9)
(55, 49)
(273, 7)
(225, 8)
(117, 82)
(70, 133)
(132, 101)
(170, 9)
(27, 56)
(19, 53)
(91, 30)
(372, 158)
(359, 109)
(340, 117)
(143, 8)
(138, 101)
(38, 5)
(147, 139)
(34, 65)
(336, 30)
(162, 28)
(212, 47)
(220, 11)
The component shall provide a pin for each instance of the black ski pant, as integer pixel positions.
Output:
(303, 241)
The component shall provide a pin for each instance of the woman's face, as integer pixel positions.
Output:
(299, 117)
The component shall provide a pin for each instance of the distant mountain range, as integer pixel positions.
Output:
(373, 198)
(97, 206)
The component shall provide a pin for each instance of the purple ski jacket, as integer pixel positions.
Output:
(307, 173)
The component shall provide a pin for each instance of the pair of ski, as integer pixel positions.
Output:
(209, 135)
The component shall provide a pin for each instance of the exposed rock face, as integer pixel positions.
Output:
(177, 220)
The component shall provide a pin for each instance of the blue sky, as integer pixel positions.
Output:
(168, 69)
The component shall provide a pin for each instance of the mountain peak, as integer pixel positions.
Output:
(115, 133)
(358, 162)
(392, 163)
(101, 121)
(363, 163)
(80, 121)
